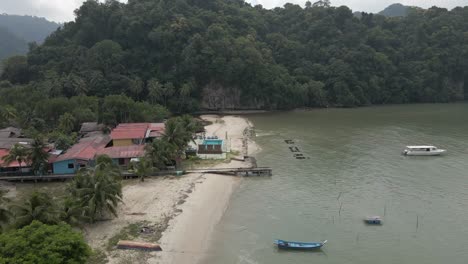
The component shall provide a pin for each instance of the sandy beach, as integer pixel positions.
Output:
(185, 208)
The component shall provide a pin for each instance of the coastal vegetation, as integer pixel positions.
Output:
(94, 193)
(42, 243)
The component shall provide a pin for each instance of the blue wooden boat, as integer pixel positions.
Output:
(373, 220)
(299, 245)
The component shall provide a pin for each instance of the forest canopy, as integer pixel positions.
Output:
(185, 55)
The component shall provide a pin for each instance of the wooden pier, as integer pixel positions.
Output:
(245, 172)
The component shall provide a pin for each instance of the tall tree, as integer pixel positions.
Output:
(67, 123)
(97, 189)
(38, 206)
(38, 156)
(17, 153)
(161, 153)
(143, 168)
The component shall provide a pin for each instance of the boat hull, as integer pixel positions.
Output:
(282, 244)
(423, 153)
(373, 221)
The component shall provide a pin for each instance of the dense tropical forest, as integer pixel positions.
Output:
(137, 61)
(17, 31)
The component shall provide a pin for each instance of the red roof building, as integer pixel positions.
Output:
(124, 152)
(128, 134)
(86, 149)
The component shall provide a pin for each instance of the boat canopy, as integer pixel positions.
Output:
(420, 147)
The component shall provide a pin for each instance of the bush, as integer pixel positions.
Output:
(38, 243)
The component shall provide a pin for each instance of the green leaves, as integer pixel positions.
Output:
(222, 54)
(97, 191)
(40, 243)
(38, 206)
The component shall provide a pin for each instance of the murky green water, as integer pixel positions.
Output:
(355, 164)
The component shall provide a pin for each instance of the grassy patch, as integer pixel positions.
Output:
(97, 257)
(200, 163)
(129, 232)
(234, 153)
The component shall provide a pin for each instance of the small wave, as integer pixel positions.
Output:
(264, 134)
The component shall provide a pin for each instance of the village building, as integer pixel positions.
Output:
(207, 147)
(10, 132)
(80, 155)
(89, 128)
(123, 155)
(125, 143)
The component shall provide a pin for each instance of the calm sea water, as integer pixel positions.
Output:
(355, 169)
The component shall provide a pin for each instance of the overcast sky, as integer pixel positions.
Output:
(62, 10)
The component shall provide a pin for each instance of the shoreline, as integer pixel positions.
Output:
(181, 211)
(189, 235)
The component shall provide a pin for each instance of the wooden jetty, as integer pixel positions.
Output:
(246, 172)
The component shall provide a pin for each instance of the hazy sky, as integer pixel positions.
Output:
(62, 10)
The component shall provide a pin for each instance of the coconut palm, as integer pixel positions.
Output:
(8, 113)
(143, 168)
(67, 123)
(38, 206)
(38, 156)
(97, 189)
(17, 153)
(73, 213)
(160, 153)
(178, 132)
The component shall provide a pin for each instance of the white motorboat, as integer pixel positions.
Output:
(423, 151)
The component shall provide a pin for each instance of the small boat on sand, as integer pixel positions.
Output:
(423, 151)
(373, 220)
(282, 244)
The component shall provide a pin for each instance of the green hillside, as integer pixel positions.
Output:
(188, 55)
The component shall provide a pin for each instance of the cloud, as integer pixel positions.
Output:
(56, 10)
(62, 10)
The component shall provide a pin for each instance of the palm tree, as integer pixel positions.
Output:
(8, 113)
(97, 189)
(179, 135)
(5, 214)
(67, 123)
(39, 206)
(38, 156)
(73, 213)
(161, 153)
(143, 168)
(17, 153)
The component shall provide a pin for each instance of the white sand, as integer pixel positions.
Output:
(206, 199)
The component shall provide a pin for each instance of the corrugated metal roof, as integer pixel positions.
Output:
(91, 127)
(130, 131)
(8, 143)
(12, 132)
(5, 134)
(86, 149)
(156, 130)
(123, 152)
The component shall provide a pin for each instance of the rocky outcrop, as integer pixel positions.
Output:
(218, 97)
